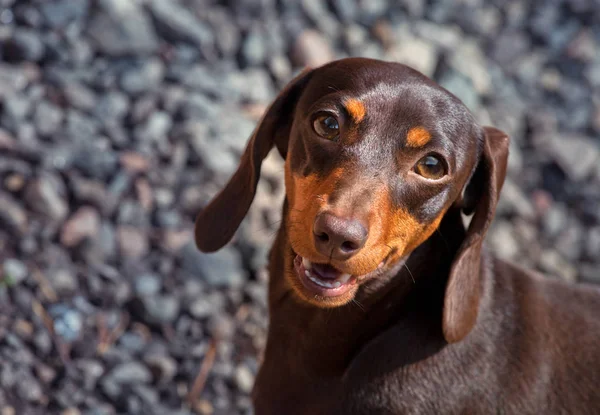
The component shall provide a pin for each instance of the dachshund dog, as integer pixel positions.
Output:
(382, 299)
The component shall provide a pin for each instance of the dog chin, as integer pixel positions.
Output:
(324, 285)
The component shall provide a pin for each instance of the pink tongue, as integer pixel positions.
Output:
(327, 272)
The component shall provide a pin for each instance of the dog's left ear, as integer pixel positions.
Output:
(463, 290)
(216, 223)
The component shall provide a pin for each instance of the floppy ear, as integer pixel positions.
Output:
(218, 221)
(461, 301)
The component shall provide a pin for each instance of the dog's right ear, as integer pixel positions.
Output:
(218, 221)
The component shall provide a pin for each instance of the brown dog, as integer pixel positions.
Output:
(381, 300)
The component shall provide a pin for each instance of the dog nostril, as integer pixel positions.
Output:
(349, 246)
(323, 237)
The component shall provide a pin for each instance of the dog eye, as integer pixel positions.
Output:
(327, 126)
(431, 167)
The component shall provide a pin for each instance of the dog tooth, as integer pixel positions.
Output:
(307, 273)
(344, 278)
(307, 264)
(337, 284)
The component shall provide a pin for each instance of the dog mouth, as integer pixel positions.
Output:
(325, 280)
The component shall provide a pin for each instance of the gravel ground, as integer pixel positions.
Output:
(120, 119)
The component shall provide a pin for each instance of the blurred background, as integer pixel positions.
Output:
(120, 119)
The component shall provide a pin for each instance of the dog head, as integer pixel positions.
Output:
(375, 156)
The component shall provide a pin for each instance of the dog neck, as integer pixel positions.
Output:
(315, 341)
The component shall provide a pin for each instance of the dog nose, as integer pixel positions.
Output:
(338, 237)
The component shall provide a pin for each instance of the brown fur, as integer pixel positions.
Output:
(441, 327)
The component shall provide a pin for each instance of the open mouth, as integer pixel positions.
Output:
(323, 279)
(326, 280)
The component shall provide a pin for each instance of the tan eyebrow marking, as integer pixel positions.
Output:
(356, 109)
(417, 137)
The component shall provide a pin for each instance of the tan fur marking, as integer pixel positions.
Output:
(417, 137)
(356, 109)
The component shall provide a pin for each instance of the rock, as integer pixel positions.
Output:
(221, 269)
(128, 373)
(163, 367)
(178, 23)
(47, 118)
(592, 244)
(84, 223)
(144, 194)
(68, 322)
(60, 12)
(204, 305)
(227, 35)
(462, 87)
(112, 106)
(63, 280)
(79, 96)
(12, 79)
(513, 200)
(319, 13)
(509, 47)
(161, 309)
(155, 128)
(311, 50)
(144, 77)
(577, 156)
(95, 162)
(553, 263)
(416, 53)
(43, 195)
(469, 60)
(79, 125)
(119, 29)
(13, 271)
(25, 45)
(147, 284)
(244, 378)
(254, 48)
(12, 214)
(133, 242)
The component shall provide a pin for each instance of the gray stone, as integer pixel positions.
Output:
(95, 162)
(128, 373)
(79, 96)
(180, 24)
(220, 269)
(47, 118)
(14, 271)
(12, 79)
(161, 309)
(59, 13)
(416, 53)
(462, 87)
(44, 196)
(12, 213)
(578, 156)
(156, 127)
(244, 378)
(509, 47)
(312, 49)
(119, 28)
(254, 48)
(144, 77)
(112, 106)
(68, 322)
(63, 280)
(25, 45)
(80, 127)
(147, 284)
(82, 224)
(133, 242)
(164, 367)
